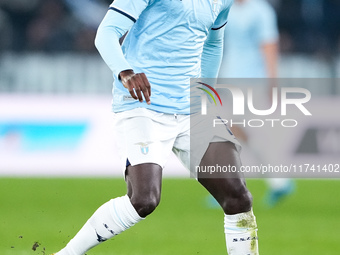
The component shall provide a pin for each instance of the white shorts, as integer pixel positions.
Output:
(146, 136)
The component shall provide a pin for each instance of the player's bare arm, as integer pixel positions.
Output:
(137, 84)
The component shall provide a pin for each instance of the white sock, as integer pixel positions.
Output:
(241, 234)
(109, 220)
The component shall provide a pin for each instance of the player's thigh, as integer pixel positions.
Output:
(221, 163)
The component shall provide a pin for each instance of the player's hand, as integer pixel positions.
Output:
(137, 84)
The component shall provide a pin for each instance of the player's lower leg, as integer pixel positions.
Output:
(241, 234)
(231, 193)
(240, 223)
(109, 220)
(119, 214)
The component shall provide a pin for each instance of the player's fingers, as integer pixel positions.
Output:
(130, 87)
(139, 94)
(146, 95)
(137, 84)
(146, 88)
(132, 93)
(141, 89)
(146, 83)
(145, 91)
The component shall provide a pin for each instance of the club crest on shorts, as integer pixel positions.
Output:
(144, 147)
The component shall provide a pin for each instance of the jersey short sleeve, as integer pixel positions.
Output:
(222, 18)
(130, 8)
(268, 31)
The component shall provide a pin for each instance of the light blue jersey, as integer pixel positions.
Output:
(251, 24)
(166, 43)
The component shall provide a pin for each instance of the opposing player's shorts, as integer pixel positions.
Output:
(146, 136)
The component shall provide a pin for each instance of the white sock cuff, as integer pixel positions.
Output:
(130, 209)
(123, 213)
(239, 223)
(238, 216)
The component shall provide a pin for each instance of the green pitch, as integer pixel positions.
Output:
(43, 214)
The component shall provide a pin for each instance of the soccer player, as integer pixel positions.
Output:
(168, 42)
(251, 51)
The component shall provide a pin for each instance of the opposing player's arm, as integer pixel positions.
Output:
(213, 46)
(271, 53)
(120, 17)
(269, 39)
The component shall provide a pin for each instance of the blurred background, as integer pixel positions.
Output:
(56, 121)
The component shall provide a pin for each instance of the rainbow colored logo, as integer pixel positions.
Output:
(209, 93)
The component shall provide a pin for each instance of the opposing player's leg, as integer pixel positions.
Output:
(230, 191)
(278, 188)
(119, 214)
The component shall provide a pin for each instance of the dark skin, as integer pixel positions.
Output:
(137, 84)
(144, 181)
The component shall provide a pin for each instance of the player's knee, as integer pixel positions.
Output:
(145, 205)
(238, 202)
